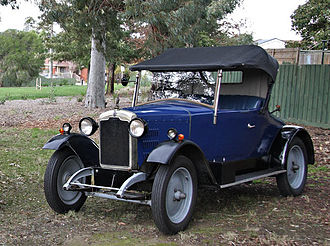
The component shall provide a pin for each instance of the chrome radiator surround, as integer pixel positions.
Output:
(122, 115)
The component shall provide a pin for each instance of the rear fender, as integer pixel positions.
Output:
(165, 153)
(288, 133)
(84, 147)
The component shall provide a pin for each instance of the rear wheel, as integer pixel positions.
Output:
(61, 166)
(174, 195)
(293, 181)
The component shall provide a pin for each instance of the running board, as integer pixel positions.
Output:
(252, 176)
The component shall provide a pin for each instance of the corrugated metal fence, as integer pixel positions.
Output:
(303, 93)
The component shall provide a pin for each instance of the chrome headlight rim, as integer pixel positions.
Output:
(143, 127)
(90, 123)
(172, 133)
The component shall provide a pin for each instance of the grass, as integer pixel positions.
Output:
(23, 93)
(243, 215)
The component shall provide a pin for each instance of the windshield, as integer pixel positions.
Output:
(194, 86)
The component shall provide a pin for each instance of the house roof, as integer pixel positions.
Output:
(262, 41)
(245, 57)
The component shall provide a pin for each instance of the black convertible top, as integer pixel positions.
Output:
(212, 58)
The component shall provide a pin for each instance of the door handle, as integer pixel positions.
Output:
(251, 126)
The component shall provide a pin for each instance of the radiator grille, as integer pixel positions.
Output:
(114, 142)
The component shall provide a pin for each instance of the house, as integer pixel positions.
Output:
(273, 43)
(61, 69)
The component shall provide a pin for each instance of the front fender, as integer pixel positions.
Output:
(166, 151)
(83, 146)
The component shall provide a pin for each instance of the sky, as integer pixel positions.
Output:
(265, 19)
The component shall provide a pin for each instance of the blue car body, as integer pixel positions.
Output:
(230, 140)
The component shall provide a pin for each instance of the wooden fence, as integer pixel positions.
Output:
(301, 57)
(303, 91)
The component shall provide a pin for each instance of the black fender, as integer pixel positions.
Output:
(84, 147)
(285, 137)
(165, 152)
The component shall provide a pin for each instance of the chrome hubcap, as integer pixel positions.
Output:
(67, 169)
(179, 195)
(295, 166)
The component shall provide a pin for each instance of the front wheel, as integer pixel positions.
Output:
(174, 195)
(293, 181)
(61, 166)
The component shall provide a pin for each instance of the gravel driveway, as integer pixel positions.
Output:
(43, 113)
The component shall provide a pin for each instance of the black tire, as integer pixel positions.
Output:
(62, 164)
(293, 181)
(173, 197)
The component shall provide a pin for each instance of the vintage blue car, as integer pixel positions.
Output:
(204, 122)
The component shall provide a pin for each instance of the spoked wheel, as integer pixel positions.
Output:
(293, 181)
(174, 195)
(61, 166)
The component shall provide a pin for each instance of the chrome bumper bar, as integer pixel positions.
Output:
(114, 193)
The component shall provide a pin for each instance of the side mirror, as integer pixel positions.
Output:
(278, 108)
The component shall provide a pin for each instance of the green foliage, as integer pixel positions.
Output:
(49, 82)
(12, 3)
(168, 23)
(56, 82)
(79, 20)
(21, 57)
(157, 25)
(69, 46)
(312, 20)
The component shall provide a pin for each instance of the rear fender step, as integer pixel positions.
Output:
(253, 176)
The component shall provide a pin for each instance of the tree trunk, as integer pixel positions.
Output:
(112, 83)
(111, 79)
(96, 81)
(107, 92)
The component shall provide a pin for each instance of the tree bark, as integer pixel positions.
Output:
(111, 79)
(112, 83)
(96, 81)
(107, 92)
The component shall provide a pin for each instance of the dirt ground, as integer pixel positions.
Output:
(257, 209)
(43, 113)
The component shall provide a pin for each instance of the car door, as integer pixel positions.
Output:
(238, 134)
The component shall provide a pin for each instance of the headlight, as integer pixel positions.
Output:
(67, 128)
(88, 126)
(137, 127)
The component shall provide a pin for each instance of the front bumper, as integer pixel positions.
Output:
(115, 193)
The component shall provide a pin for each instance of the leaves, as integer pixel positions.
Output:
(77, 20)
(311, 20)
(12, 3)
(21, 57)
(166, 24)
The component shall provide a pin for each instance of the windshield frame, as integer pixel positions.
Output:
(137, 83)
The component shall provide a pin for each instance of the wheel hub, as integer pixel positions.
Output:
(178, 195)
(295, 167)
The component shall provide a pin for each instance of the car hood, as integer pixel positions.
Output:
(170, 109)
